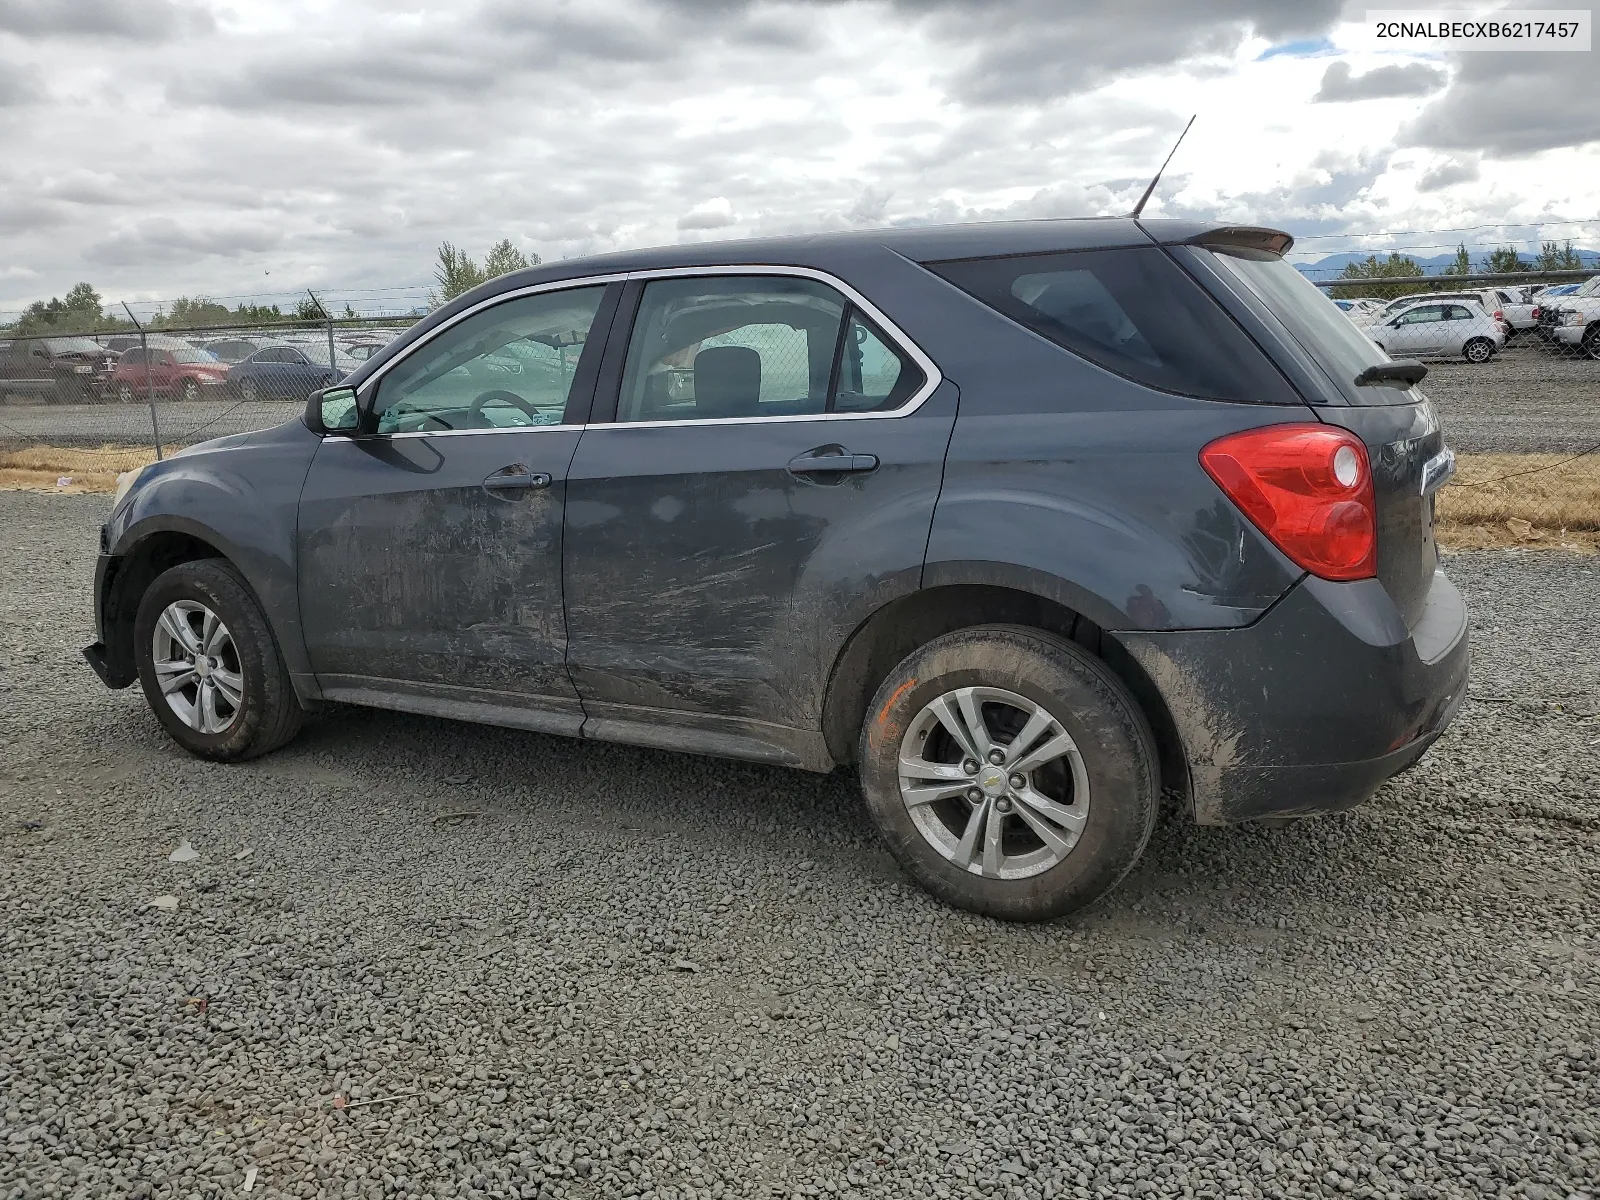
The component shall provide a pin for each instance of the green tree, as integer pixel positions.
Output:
(308, 310)
(504, 258)
(1462, 264)
(1558, 258)
(1395, 267)
(257, 314)
(78, 312)
(1504, 259)
(195, 313)
(456, 273)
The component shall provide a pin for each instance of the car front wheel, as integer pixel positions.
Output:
(190, 390)
(209, 664)
(1010, 772)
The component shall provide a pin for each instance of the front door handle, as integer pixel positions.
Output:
(833, 461)
(516, 478)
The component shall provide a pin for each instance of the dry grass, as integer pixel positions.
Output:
(1537, 500)
(1546, 502)
(41, 468)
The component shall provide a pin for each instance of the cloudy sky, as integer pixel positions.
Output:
(247, 148)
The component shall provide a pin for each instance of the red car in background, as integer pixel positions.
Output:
(183, 373)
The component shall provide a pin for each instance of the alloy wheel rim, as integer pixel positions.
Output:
(197, 666)
(994, 783)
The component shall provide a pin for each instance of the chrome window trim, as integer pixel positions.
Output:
(932, 376)
(560, 285)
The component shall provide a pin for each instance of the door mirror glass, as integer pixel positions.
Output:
(337, 408)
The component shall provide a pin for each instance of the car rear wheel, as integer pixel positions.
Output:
(249, 392)
(1591, 342)
(1011, 773)
(125, 394)
(190, 390)
(209, 665)
(1478, 350)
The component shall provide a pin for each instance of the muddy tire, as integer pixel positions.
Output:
(209, 665)
(1010, 772)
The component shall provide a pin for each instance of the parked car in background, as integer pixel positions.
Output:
(1360, 306)
(288, 371)
(1398, 305)
(58, 370)
(1440, 329)
(1576, 323)
(177, 372)
(236, 348)
(1176, 536)
(118, 344)
(1517, 306)
(1546, 310)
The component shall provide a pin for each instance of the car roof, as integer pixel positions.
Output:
(921, 243)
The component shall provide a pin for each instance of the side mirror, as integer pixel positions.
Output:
(334, 410)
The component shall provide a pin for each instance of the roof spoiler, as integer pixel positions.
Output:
(1246, 237)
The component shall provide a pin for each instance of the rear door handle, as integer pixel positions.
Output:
(516, 478)
(841, 463)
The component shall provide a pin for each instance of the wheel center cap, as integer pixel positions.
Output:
(992, 780)
(202, 667)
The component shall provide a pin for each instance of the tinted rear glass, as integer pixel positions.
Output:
(1314, 321)
(1131, 311)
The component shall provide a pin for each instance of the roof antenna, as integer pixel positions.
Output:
(1144, 199)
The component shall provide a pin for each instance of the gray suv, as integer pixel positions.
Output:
(1027, 523)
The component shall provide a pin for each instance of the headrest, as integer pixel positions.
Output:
(727, 382)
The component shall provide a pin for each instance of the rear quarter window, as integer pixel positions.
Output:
(1134, 312)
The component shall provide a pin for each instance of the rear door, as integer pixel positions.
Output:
(765, 459)
(430, 550)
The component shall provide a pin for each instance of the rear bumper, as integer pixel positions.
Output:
(1310, 709)
(1570, 335)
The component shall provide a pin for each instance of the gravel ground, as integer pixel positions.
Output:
(537, 967)
(180, 423)
(1525, 400)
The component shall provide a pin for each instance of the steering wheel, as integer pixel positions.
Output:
(477, 406)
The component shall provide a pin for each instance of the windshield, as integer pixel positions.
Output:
(193, 356)
(1314, 321)
(73, 345)
(1592, 288)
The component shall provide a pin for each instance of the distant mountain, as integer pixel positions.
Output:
(1333, 266)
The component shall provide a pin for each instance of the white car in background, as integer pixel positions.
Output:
(1360, 307)
(1398, 305)
(1438, 328)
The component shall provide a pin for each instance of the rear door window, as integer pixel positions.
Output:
(1134, 312)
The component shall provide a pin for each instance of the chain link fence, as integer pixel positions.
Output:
(1513, 367)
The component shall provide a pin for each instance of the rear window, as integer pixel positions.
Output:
(1134, 312)
(1313, 320)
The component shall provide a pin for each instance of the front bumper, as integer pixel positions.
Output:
(111, 657)
(1310, 709)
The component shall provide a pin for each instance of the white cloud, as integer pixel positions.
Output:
(271, 145)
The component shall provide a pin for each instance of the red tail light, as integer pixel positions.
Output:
(1308, 488)
(1535, 313)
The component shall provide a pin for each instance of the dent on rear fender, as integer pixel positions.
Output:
(1212, 737)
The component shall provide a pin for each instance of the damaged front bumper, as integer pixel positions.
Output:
(1314, 706)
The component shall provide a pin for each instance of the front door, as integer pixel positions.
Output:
(1419, 331)
(773, 463)
(430, 550)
